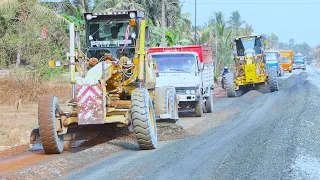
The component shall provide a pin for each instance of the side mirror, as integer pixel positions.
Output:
(147, 35)
(200, 66)
(231, 46)
(265, 42)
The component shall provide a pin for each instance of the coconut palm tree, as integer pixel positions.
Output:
(235, 21)
(222, 35)
(247, 30)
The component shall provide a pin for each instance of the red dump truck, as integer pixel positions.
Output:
(190, 70)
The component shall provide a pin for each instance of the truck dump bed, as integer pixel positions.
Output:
(204, 52)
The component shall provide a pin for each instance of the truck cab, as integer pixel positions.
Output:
(299, 62)
(273, 59)
(286, 60)
(190, 70)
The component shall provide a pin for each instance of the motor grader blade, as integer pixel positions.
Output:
(72, 139)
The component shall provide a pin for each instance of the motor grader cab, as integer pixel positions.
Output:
(250, 63)
(112, 83)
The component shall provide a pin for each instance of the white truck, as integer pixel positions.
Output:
(190, 70)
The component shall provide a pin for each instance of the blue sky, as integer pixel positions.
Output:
(297, 19)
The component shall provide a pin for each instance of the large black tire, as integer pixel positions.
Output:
(48, 108)
(143, 119)
(161, 103)
(272, 79)
(209, 102)
(198, 109)
(223, 83)
(229, 84)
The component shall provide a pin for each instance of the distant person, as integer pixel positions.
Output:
(189, 65)
(114, 32)
(225, 71)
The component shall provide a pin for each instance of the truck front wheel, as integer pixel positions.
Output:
(209, 102)
(198, 108)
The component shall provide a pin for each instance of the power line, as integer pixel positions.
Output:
(255, 3)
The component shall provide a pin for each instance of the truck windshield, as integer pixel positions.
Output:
(286, 60)
(175, 62)
(107, 33)
(298, 59)
(271, 56)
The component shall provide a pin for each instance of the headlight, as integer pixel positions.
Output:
(193, 92)
(188, 91)
(89, 16)
(132, 15)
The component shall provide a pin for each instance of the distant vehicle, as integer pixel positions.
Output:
(273, 60)
(286, 60)
(299, 62)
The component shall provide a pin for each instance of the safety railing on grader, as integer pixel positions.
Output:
(112, 83)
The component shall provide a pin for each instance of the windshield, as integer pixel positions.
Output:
(107, 33)
(271, 56)
(298, 59)
(285, 60)
(248, 43)
(175, 62)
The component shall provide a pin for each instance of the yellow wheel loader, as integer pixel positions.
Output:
(113, 82)
(251, 70)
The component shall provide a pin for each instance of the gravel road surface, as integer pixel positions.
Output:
(276, 136)
(255, 136)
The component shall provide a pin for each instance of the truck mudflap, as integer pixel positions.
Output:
(90, 104)
(171, 108)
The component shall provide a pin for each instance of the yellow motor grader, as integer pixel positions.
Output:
(250, 63)
(113, 82)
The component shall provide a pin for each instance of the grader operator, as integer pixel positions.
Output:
(112, 83)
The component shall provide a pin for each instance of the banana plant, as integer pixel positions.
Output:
(78, 21)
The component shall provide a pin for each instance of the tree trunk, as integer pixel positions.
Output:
(163, 25)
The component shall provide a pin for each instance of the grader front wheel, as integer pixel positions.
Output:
(47, 117)
(143, 119)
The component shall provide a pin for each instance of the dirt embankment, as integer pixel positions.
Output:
(18, 107)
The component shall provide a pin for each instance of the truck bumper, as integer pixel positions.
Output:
(188, 97)
(299, 67)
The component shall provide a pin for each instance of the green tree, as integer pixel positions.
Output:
(236, 22)
(273, 41)
(222, 35)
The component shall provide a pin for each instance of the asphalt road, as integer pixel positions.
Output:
(264, 136)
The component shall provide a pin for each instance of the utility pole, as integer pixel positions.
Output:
(216, 60)
(163, 25)
(195, 22)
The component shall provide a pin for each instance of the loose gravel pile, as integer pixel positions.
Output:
(170, 131)
(292, 80)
